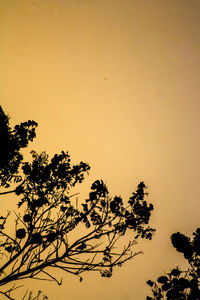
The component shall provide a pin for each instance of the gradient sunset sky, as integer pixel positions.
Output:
(117, 83)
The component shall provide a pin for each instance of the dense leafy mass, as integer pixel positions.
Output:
(12, 140)
(181, 284)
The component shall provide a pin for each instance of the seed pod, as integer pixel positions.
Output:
(51, 237)
(20, 233)
(36, 238)
(27, 218)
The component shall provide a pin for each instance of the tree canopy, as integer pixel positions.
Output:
(12, 140)
(54, 229)
(181, 284)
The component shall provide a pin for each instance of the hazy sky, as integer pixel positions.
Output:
(117, 83)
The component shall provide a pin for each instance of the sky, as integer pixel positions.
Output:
(116, 83)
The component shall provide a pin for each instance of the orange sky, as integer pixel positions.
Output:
(115, 82)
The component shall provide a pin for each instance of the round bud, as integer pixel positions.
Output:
(20, 233)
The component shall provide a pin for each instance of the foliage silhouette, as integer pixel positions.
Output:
(53, 228)
(11, 143)
(181, 284)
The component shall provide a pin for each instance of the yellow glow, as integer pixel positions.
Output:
(117, 84)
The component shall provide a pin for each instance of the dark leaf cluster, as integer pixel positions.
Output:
(12, 140)
(181, 284)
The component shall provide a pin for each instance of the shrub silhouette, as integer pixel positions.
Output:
(181, 284)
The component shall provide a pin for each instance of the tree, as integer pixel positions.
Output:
(181, 284)
(53, 228)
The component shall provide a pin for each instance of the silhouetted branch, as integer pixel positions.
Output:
(53, 229)
(8, 192)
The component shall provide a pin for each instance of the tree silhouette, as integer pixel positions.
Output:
(53, 228)
(181, 284)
